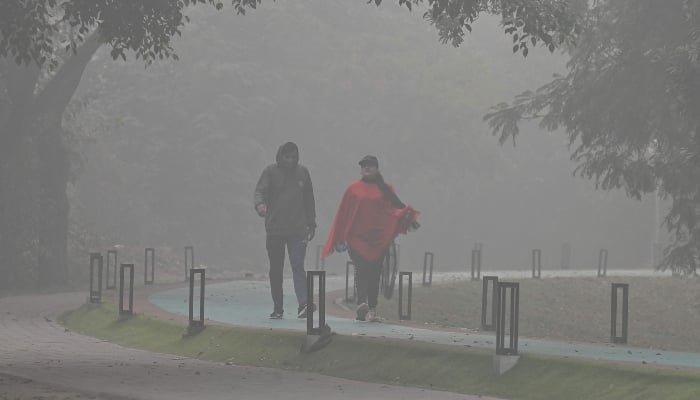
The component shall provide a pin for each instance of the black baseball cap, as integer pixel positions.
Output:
(372, 160)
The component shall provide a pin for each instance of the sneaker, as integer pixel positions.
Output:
(302, 310)
(362, 310)
(276, 315)
(372, 315)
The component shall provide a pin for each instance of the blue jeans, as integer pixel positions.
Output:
(296, 247)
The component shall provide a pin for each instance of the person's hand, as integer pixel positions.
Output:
(414, 226)
(340, 247)
(261, 209)
(310, 233)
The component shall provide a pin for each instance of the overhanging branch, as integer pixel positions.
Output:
(57, 94)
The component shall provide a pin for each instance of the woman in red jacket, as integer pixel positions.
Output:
(369, 217)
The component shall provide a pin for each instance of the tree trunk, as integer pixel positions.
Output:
(53, 174)
(34, 243)
(18, 222)
(54, 165)
(18, 183)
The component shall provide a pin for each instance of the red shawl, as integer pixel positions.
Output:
(367, 221)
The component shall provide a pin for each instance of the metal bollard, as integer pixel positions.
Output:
(429, 281)
(602, 263)
(536, 263)
(130, 311)
(398, 255)
(503, 289)
(476, 264)
(95, 285)
(566, 256)
(484, 302)
(347, 281)
(150, 251)
(196, 325)
(189, 256)
(320, 262)
(111, 254)
(407, 316)
(613, 313)
(316, 337)
(310, 329)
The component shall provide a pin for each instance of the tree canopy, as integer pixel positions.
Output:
(29, 28)
(629, 104)
(628, 101)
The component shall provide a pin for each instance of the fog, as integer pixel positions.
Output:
(172, 152)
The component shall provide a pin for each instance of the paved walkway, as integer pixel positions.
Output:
(248, 303)
(39, 359)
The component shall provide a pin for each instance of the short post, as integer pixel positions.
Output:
(347, 281)
(614, 338)
(196, 326)
(407, 316)
(566, 255)
(95, 284)
(320, 261)
(484, 302)
(427, 280)
(310, 329)
(505, 288)
(316, 337)
(398, 255)
(189, 256)
(602, 263)
(111, 255)
(149, 255)
(476, 264)
(658, 254)
(129, 311)
(536, 263)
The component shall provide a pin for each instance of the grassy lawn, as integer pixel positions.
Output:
(392, 361)
(664, 312)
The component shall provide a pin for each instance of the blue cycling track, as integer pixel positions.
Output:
(248, 303)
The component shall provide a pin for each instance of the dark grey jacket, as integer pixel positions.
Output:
(289, 197)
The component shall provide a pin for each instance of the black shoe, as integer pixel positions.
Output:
(276, 315)
(302, 310)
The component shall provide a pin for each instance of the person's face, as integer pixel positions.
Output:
(290, 159)
(368, 170)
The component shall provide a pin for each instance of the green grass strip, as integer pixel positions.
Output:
(399, 362)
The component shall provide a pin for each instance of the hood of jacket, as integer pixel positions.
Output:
(288, 147)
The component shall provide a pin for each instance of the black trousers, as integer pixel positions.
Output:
(366, 278)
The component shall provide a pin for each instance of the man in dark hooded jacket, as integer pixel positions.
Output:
(284, 196)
